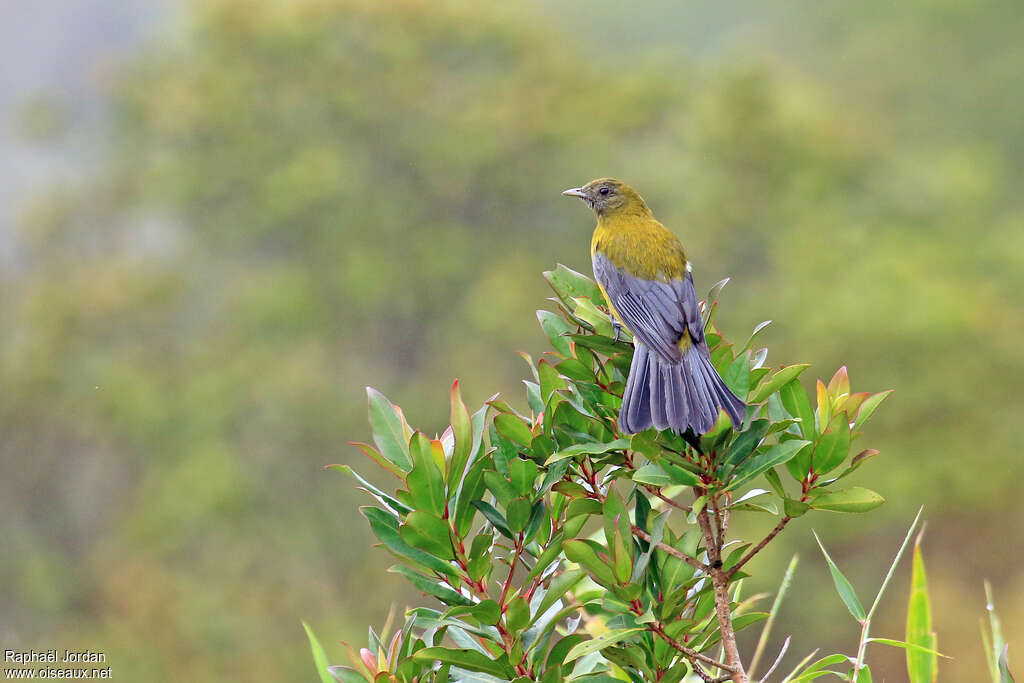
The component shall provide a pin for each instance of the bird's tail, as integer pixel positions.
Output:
(680, 396)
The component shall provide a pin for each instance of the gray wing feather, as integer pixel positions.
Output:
(657, 313)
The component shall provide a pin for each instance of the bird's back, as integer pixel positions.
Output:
(640, 246)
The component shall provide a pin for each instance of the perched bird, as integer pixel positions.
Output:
(643, 273)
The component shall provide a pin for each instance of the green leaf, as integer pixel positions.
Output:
(569, 284)
(652, 474)
(604, 345)
(517, 614)
(583, 554)
(555, 328)
(760, 462)
(679, 475)
(431, 586)
(550, 381)
(604, 640)
(385, 528)
(599, 320)
(462, 430)
(737, 376)
(595, 448)
(471, 660)
(425, 481)
(501, 487)
(513, 428)
(843, 586)
(381, 497)
(345, 674)
(388, 432)
(770, 385)
(522, 473)
(319, 656)
(716, 436)
(518, 514)
(795, 401)
(856, 499)
(868, 408)
(494, 517)
(561, 649)
(559, 588)
(744, 444)
(833, 445)
(428, 532)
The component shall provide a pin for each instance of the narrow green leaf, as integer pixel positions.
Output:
(795, 401)
(833, 445)
(585, 309)
(319, 656)
(744, 443)
(895, 561)
(651, 474)
(388, 432)
(770, 385)
(594, 448)
(462, 430)
(604, 640)
(386, 528)
(843, 586)
(431, 586)
(856, 499)
(496, 519)
(868, 408)
(737, 376)
(471, 660)
(760, 462)
(555, 327)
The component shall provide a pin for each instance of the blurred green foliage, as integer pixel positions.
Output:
(305, 197)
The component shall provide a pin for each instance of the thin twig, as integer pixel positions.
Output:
(760, 546)
(689, 652)
(653, 490)
(692, 561)
(782, 652)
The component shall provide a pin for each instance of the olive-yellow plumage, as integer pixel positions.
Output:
(643, 272)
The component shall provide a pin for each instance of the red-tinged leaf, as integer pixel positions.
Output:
(374, 455)
(856, 499)
(853, 402)
(869, 407)
(824, 406)
(389, 426)
(513, 428)
(462, 431)
(839, 384)
(425, 481)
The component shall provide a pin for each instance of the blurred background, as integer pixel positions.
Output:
(220, 220)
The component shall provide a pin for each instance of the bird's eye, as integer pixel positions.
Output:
(605, 190)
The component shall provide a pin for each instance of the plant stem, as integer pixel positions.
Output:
(690, 653)
(720, 584)
(760, 546)
(692, 561)
(861, 647)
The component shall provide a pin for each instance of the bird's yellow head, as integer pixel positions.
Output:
(609, 197)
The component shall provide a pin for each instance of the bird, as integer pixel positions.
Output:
(642, 270)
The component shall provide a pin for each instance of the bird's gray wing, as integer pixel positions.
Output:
(658, 313)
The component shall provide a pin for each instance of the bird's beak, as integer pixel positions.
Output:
(575, 192)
